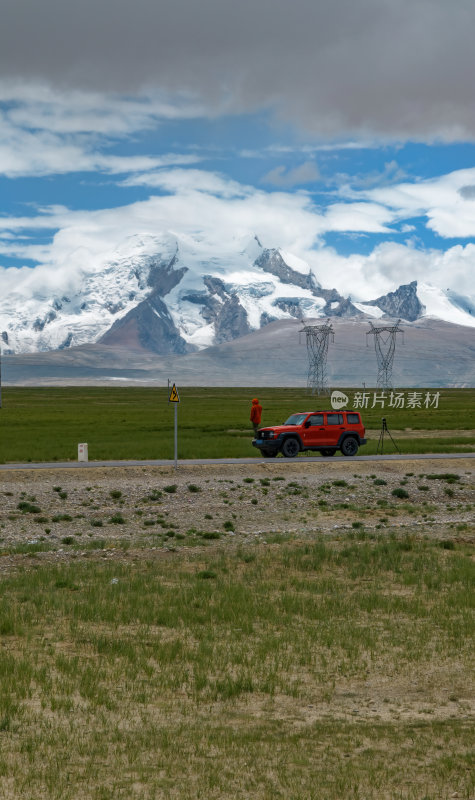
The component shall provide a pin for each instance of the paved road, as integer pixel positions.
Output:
(197, 461)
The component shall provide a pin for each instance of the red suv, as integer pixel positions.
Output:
(326, 431)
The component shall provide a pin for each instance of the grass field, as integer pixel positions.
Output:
(46, 424)
(331, 668)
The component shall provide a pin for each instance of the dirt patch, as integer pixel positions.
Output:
(118, 512)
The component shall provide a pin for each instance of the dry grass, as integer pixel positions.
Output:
(300, 661)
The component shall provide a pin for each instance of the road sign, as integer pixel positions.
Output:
(174, 398)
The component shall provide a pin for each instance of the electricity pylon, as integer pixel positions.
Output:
(317, 349)
(385, 346)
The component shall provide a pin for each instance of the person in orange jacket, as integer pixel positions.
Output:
(256, 414)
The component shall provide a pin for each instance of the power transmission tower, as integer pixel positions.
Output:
(385, 346)
(317, 349)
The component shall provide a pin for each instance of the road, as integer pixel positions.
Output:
(204, 461)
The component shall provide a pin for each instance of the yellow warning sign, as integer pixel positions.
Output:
(174, 395)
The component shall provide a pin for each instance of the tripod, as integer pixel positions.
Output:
(384, 427)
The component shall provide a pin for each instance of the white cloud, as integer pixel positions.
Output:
(181, 181)
(214, 212)
(358, 217)
(443, 200)
(49, 132)
(44, 106)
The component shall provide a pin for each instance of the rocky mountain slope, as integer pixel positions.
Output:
(431, 353)
(172, 295)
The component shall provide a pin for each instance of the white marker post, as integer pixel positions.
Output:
(174, 398)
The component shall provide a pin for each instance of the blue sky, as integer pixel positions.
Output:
(340, 132)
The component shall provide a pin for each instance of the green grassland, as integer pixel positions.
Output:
(46, 424)
(338, 667)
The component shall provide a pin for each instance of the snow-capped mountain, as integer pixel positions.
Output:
(175, 294)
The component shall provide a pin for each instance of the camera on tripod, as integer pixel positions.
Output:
(384, 429)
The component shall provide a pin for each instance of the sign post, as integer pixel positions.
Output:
(174, 398)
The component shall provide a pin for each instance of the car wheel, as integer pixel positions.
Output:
(349, 447)
(290, 448)
(327, 452)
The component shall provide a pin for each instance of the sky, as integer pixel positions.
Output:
(342, 131)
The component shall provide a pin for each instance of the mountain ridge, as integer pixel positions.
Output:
(432, 354)
(173, 295)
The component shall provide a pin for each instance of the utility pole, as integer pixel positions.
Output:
(385, 347)
(317, 349)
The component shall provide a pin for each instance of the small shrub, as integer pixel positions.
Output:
(229, 525)
(264, 481)
(170, 489)
(56, 488)
(149, 522)
(208, 516)
(401, 493)
(248, 480)
(447, 544)
(339, 483)
(61, 518)
(207, 574)
(67, 539)
(450, 477)
(211, 535)
(192, 487)
(380, 482)
(63, 495)
(96, 523)
(116, 494)
(423, 488)
(117, 519)
(356, 524)
(254, 501)
(28, 508)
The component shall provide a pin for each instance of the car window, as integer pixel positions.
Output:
(295, 419)
(353, 419)
(334, 419)
(315, 419)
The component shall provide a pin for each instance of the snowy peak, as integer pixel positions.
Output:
(403, 303)
(411, 302)
(176, 293)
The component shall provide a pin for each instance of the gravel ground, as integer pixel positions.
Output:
(135, 512)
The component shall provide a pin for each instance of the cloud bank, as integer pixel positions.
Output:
(216, 211)
(398, 69)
